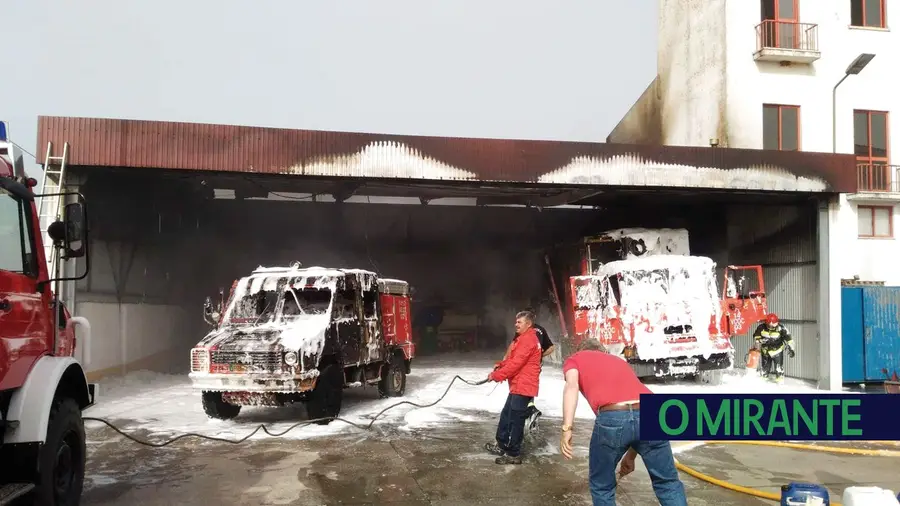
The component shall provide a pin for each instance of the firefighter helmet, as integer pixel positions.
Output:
(772, 319)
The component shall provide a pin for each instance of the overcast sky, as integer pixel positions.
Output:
(567, 69)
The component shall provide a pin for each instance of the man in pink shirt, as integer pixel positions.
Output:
(613, 391)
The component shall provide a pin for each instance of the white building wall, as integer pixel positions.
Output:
(126, 337)
(751, 83)
(709, 86)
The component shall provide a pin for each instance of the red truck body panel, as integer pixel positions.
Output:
(396, 323)
(26, 327)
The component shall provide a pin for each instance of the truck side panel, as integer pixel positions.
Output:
(396, 323)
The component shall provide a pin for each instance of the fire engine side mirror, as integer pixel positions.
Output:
(75, 242)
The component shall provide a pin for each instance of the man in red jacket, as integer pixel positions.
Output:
(522, 367)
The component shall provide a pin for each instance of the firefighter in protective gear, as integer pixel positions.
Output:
(773, 340)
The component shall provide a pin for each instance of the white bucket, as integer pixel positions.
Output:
(869, 496)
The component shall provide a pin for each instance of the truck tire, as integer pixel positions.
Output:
(216, 407)
(328, 394)
(393, 379)
(61, 459)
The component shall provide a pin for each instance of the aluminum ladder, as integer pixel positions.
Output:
(50, 208)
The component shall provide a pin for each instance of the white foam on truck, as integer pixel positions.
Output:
(664, 290)
(659, 241)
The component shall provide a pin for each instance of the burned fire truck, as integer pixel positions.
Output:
(297, 334)
(649, 301)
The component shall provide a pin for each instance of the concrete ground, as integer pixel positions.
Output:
(442, 465)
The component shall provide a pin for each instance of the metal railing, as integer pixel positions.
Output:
(874, 177)
(790, 35)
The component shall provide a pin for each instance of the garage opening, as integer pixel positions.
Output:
(473, 254)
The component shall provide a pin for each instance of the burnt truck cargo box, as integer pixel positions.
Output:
(289, 334)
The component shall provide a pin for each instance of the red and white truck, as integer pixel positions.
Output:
(647, 299)
(43, 387)
(292, 334)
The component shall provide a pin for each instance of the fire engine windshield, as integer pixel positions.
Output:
(667, 286)
(274, 300)
(305, 302)
(253, 308)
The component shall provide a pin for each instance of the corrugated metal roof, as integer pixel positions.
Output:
(195, 146)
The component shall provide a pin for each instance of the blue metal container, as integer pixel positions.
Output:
(870, 332)
(800, 494)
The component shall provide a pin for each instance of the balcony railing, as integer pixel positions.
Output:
(878, 178)
(787, 41)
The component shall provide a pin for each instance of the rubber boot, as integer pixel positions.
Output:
(534, 415)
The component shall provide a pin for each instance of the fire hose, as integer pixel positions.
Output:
(778, 444)
(265, 429)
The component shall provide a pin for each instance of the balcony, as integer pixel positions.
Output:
(787, 41)
(878, 179)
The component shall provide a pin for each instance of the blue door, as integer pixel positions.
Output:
(852, 346)
(881, 305)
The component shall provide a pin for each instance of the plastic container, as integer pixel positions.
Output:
(869, 496)
(804, 494)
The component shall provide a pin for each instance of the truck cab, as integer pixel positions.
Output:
(43, 387)
(297, 334)
(647, 299)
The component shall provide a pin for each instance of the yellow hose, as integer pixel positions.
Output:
(797, 446)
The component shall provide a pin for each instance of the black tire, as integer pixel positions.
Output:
(328, 395)
(216, 407)
(61, 459)
(393, 378)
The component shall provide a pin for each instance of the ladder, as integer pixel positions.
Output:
(50, 208)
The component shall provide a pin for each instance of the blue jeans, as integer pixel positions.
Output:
(511, 428)
(614, 432)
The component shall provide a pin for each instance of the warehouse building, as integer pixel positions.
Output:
(178, 211)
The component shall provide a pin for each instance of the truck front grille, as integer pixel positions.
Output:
(248, 361)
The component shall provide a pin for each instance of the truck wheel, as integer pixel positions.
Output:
(215, 407)
(328, 394)
(393, 379)
(62, 458)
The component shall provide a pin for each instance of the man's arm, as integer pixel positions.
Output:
(548, 350)
(509, 367)
(788, 341)
(757, 334)
(786, 335)
(570, 397)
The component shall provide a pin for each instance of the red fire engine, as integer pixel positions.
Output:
(643, 295)
(43, 387)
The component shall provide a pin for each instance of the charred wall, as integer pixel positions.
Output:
(685, 105)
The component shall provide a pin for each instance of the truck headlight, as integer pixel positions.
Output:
(291, 358)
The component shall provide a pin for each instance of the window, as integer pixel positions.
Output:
(868, 13)
(870, 140)
(875, 221)
(779, 10)
(780, 23)
(369, 303)
(870, 136)
(781, 127)
(14, 240)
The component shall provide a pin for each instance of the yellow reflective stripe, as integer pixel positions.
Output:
(775, 351)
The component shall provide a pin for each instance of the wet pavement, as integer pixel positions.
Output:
(441, 465)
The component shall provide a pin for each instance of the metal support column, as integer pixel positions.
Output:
(830, 359)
